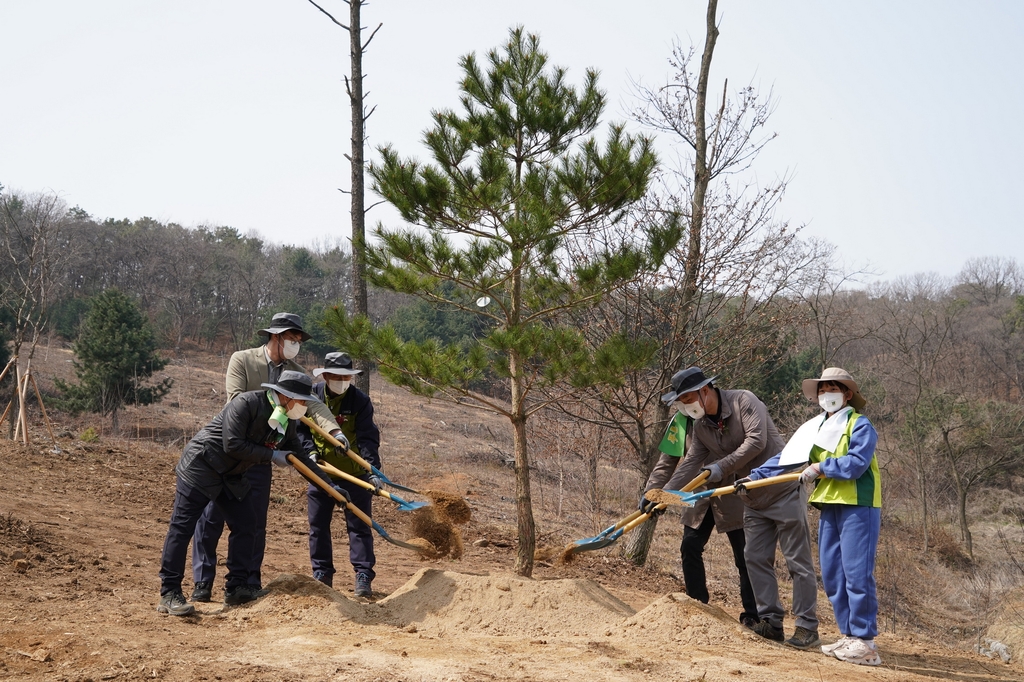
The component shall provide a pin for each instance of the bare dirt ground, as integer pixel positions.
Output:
(81, 533)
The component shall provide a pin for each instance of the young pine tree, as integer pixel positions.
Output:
(115, 355)
(513, 217)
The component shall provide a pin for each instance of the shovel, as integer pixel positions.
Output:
(312, 473)
(683, 498)
(403, 505)
(612, 533)
(356, 458)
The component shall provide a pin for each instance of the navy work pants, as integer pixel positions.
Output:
(692, 550)
(189, 505)
(211, 526)
(360, 536)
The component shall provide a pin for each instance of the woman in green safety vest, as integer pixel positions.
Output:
(848, 492)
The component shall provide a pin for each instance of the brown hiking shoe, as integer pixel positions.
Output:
(803, 639)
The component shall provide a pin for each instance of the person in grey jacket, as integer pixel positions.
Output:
(722, 513)
(733, 434)
(258, 427)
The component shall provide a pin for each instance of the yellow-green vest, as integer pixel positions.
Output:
(865, 491)
(327, 451)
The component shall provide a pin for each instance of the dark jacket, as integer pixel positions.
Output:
(237, 438)
(745, 439)
(353, 412)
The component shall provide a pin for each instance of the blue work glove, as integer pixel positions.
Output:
(377, 483)
(280, 458)
(714, 472)
(343, 493)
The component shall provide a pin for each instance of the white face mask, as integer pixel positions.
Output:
(289, 349)
(830, 402)
(694, 410)
(296, 411)
(339, 387)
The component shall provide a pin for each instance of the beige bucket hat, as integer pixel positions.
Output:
(840, 376)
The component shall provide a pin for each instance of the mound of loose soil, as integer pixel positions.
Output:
(679, 620)
(502, 604)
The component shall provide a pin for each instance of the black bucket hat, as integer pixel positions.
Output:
(282, 322)
(685, 381)
(337, 363)
(293, 384)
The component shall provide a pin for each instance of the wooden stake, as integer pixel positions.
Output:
(46, 419)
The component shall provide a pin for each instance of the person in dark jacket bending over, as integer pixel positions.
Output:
(354, 413)
(247, 371)
(257, 427)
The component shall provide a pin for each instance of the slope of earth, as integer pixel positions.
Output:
(81, 532)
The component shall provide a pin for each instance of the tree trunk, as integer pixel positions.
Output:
(965, 528)
(922, 486)
(358, 213)
(524, 503)
(637, 545)
(961, 496)
(595, 503)
(701, 173)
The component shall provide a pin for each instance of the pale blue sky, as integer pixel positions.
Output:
(899, 122)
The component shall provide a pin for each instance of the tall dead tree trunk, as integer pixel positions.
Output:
(637, 547)
(357, 212)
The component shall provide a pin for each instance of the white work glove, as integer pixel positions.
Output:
(811, 473)
(280, 458)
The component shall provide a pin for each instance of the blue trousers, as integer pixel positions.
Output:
(211, 526)
(847, 545)
(320, 509)
(189, 505)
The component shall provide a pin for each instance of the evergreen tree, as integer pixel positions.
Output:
(115, 355)
(528, 195)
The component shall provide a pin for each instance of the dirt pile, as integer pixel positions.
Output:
(448, 602)
(678, 619)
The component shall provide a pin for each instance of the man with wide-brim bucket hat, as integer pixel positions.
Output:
(256, 428)
(844, 470)
(249, 370)
(733, 434)
(722, 513)
(353, 411)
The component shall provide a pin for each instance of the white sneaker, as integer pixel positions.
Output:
(858, 651)
(827, 649)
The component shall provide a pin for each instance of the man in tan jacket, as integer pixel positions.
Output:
(248, 370)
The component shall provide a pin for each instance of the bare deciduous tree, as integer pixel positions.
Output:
(359, 115)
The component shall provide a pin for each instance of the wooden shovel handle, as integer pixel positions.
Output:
(760, 483)
(310, 475)
(335, 471)
(336, 443)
